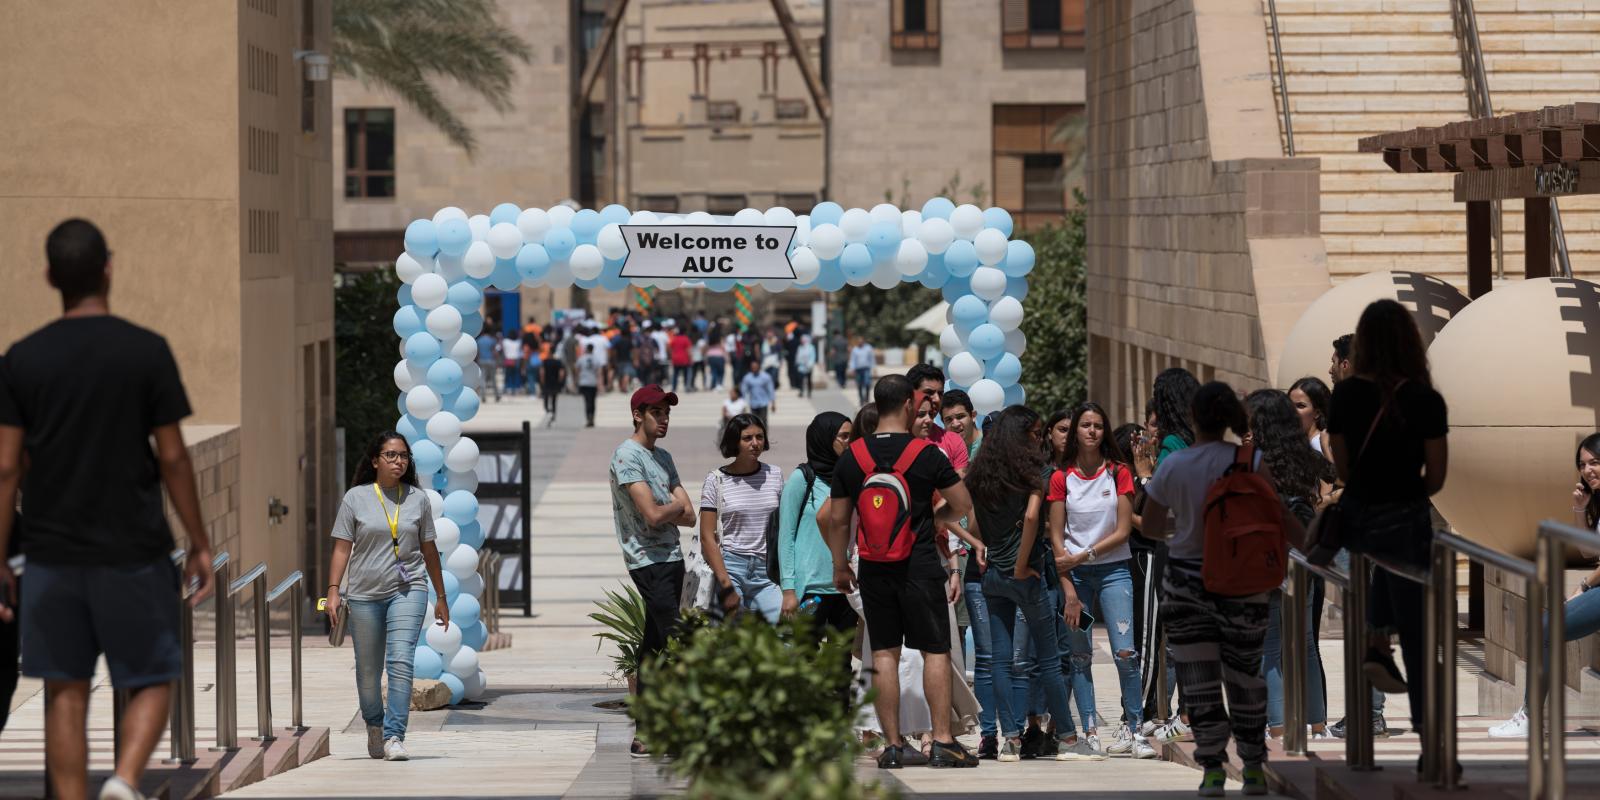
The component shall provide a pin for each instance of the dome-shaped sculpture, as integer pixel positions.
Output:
(1520, 370)
(1310, 344)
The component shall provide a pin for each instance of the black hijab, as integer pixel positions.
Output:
(819, 443)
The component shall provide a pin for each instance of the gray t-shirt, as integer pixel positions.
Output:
(372, 573)
(643, 545)
(589, 369)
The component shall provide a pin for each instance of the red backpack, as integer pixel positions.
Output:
(1246, 551)
(883, 506)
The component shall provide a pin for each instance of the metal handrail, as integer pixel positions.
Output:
(1558, 234)
(1295, 610)
(1283, 84)
(257, 578)
(227, 683)
(489, 607)
(295, 585)
(182, 714)
(1554, 537)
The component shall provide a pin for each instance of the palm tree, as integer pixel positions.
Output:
(401, 45)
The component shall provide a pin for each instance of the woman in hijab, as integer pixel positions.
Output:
(805, 565)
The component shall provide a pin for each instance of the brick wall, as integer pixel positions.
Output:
(214, 449)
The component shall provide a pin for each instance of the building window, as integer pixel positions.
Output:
(308, 87)
(663, 203)
(725, 205)
(914, 24)
(1041, 24)
(793, 109)
(1037, 152)
(722, 112)
(798, 203)
(1043, 179)
(369, 152)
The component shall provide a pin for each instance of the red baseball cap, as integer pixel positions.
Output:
(653, 395)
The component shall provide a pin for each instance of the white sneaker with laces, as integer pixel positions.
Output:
(1142, 749)
(1173, 731)
(116, 788)
(1148, 728)
(393, 750)
(1514, 728)
(1122, 745)
(1093, 740)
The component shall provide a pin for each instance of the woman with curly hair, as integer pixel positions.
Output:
(1171, 399)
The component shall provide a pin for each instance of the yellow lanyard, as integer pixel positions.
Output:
(394, 521)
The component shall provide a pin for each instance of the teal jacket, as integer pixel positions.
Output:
(805, 566)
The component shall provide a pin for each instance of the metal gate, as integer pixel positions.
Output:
(504, 496)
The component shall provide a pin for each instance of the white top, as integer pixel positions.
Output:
(747, 503)
(1091, 504)
(734, 408)
(511, 349)
(1316, 441)
(660, 338)
(1181, 483)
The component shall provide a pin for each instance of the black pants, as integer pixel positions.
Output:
(10, 636)
(660, 585)
(761, 414)
(588, 402)
(804, 384)
(833, 612)
(681, 374)
(551, 393)
(1397, 604)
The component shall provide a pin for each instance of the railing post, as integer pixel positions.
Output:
(1552, 565)
(1433, 615)
(227, 727)
(1358, 690)
(297, 597)
(263, 659)
(182, 722)
(1292, 615)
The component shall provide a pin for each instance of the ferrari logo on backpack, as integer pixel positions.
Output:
(877, 502)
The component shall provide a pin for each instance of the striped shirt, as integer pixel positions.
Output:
(747, 503)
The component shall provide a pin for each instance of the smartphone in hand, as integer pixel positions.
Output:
(1085, 619)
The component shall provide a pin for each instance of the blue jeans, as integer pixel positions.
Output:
(1106, 591)
(1006, 596)
(863, 384)
(982, 655)
(718, 366)
(1342, 561)
(1582, 619)
(1272, 667)
(756, 591)
(385, 633)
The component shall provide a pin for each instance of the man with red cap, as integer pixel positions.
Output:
(649, 504)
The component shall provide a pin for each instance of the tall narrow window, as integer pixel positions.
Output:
(1041, 24)
(369, 152)
(914, 24)
(1038, 153)
(308, 87)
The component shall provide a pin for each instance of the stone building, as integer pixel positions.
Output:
(205, 160)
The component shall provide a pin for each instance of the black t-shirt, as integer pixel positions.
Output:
(930, 472)
(88, 392)
(1390, 470)
(552, 368)
(622, 348)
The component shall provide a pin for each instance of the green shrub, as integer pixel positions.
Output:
(365, 350)
(1055, 365)
(622, 613)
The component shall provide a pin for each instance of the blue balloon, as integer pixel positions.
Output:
(970, 310)
(997, 218)
(614, 214)
(961, 259)
(505, 212)
(1005, 370)
(883, 239)
(559, 243)
(474, 635)
(409, 319)
(457, 689)
(472, 534)
(938, 208)
(465, 405)
(830, 278)
(482, 283)
(401, 401)
(585, 283)
(452, 585)
(952, 386)
(505, 276)
(1016, 395)
(464, 610)
(613, 283)
(427, 665)
(427, 457)
(957, 287)
(1017, 287)
(422, 239)
(440, 480)
(585, 225)
(422, 348)
(826, 212)
(934, 275)
(455, 236)
(856, 261)
(472, 324)
(403, 294)
(533, 261)
(1019, 258)
(465, 297)
(987, 341)
(444, 376)
(412, 428)
(720, 284)
(461, 507)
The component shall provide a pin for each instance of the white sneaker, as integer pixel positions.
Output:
(1148, 728)
(1322, 736)
(116, 788)
(375, 741)
(1173, 731)
(1094, 742)
(1142, 749)
(393, 750)
(1514, 728)
(1122, 746)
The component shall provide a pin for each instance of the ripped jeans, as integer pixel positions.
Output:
(1106, 591)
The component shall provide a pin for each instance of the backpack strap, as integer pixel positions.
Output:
(909, 455)
(1244, 457)
(863, 457)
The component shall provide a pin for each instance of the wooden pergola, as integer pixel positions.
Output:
(1536, 156)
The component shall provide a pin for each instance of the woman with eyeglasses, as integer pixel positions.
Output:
(384, 556)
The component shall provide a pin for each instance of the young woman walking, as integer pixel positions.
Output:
(1216, 640)
(737, 502)
(805, 565)
(384, 557)
(1091, 503)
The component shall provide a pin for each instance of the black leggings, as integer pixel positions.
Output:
(660, 585)
(588, 401)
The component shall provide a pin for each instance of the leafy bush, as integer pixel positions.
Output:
(623, 614)
(1055, 365)
(752, 710)
(365, 351)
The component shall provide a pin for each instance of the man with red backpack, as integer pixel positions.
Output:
(887, 481)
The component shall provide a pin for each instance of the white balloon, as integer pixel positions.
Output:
(452, 268)
(1006, 313)
(462, 456)
(463, 561)
(446, 534)
(885, 276)
(533, 224)
(436, 504)
(472, 375)
(950, 342)
(827, 241)
(910, 223)
(989, 283)
(936, 235)
(479, 260)
(429, 290)
(480, 225)
(1016, 342)
(987, 396)
(422, 402)
(407, 375)
(408, 269)
(461, 482)
(778, 216)
(445, 641)
(561, 216)
(749, 216)
(464, 664)
(855, 223)
(449, 212)
(776, 284)
(802, 229)
(700, 218)
(965, 368)
(472, 585)
(611, 242)
(444, 429)
(586, 262)
(475, 687)
(884, 212)
(559, 276)
(665, 283)
(643, 218)
(967, 220)
(464, 350)
(504, 240)
(444, 323)
(912, 258)
(806, 266)
(991, 247)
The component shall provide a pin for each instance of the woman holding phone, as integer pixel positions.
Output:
(383, 554)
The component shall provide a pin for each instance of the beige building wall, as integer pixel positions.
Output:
(194, 163)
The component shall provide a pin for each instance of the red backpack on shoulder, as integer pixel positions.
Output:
(883, 506)
(1246, 551)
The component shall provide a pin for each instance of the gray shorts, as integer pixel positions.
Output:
(73, 613)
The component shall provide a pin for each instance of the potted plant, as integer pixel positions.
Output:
(622, 614)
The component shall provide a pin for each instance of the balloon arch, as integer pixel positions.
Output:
(449, 260)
